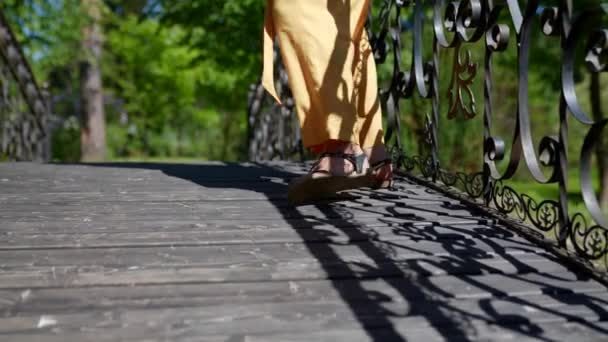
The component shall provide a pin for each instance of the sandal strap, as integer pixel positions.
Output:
(356, 159)
(381, 163)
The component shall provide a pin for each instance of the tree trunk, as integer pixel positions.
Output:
(93, 129)
(602, 144)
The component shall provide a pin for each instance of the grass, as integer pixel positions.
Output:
(540, 192)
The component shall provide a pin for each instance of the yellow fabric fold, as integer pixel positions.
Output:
(268, 39)
(330, 67)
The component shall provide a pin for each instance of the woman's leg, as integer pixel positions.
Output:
(369, 114)
(319, 47)
(332, 77)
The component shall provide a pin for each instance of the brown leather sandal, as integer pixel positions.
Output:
(318, 184)
(381, 182)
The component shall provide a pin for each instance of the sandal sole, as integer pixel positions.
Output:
(308, 189)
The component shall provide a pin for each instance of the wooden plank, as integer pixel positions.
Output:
(24, 193)
(225, 198)
(32, 302)
(191, 170)
(152, 183)
(15, 240)
(298, 269)
(571, 331)
(212, 252)
(171, 323)
(434, 205)
(292, 318)
(178, 224)
(235, 212)
(171, 255)
(135, 272)
(398, 332)
(90, 184)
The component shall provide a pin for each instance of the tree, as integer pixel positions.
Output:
(226, 34)
(158, 86)
(93, 132)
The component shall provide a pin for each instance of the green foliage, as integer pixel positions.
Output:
(50, 35)
(49, 32)
(164, 96)
(164, 108)
(176, 75)
(65, 142)
(227, 36)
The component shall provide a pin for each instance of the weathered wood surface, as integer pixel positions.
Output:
(212, 252)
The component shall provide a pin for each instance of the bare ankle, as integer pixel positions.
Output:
(376, 153)
(339, 165)
(343, 147)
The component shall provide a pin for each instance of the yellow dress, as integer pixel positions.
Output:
(331, 68)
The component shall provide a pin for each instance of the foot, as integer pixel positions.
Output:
(338, 166)
(382, 168)
(342, 166)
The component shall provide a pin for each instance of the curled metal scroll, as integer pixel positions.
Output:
(460, 95)
(457, 23)
(590, 241)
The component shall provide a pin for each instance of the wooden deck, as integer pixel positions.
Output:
(212, 252)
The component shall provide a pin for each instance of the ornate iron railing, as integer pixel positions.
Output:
(582, 35)
(273, 130)
(23, 106)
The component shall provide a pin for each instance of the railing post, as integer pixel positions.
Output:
(434, 125)
(564, 218)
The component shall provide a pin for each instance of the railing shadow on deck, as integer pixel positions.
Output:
(476, 35)
(411, 279)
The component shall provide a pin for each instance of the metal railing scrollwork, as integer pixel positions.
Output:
(497, 26)
(23, 106)
(273, 131)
